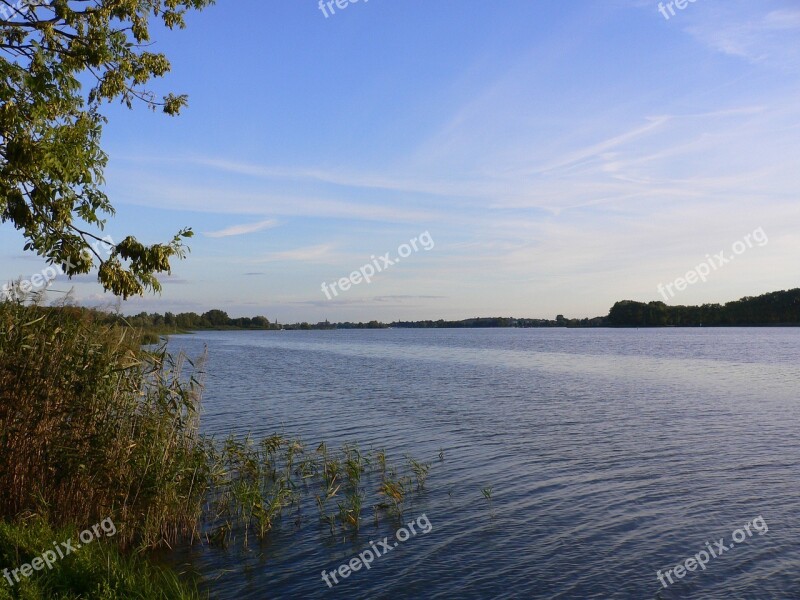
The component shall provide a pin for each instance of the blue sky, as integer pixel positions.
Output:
(562, 156)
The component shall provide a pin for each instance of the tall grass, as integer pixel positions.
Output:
(91, 426)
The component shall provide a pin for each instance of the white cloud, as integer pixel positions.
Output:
(241, 229)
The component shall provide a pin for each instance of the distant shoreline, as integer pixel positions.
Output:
(775, 309)
(388, 327)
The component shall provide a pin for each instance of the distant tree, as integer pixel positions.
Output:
(260, 322)
(188, 320)
(626, 313)
(243, 322)
(216, 318)
(60, 61)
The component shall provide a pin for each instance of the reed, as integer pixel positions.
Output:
(420, 471)
(92, 426)
(255, 486)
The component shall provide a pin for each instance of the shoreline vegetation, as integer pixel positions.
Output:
(96, 426)
(774, 309)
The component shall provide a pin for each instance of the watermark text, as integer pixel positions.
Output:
(379, 264)
(702, 558)
(712, 263)
(383, 547)
(61, 550)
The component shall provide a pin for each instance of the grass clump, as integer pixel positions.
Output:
(97, 570)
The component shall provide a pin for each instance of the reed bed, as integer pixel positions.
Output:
(91, 426)
(94, 426)
(258, 484)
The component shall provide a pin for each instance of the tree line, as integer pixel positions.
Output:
(774, 308)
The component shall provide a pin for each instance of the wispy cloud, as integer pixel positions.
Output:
(347, 177)
(392, 301)
(402, 297)
(242, 229)
(603, 147)
(312, 254)
(768, 37)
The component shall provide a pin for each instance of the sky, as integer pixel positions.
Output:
(554, 157)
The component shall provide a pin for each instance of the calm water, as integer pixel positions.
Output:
(611, 454)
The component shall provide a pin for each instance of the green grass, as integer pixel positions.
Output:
(97, 570)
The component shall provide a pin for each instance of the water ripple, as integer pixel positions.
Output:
(611, 455)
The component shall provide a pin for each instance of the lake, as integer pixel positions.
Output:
(610, 454)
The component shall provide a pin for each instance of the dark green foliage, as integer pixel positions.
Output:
(775, 308)
(98, 570)
(216, 318)
(171, 323)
